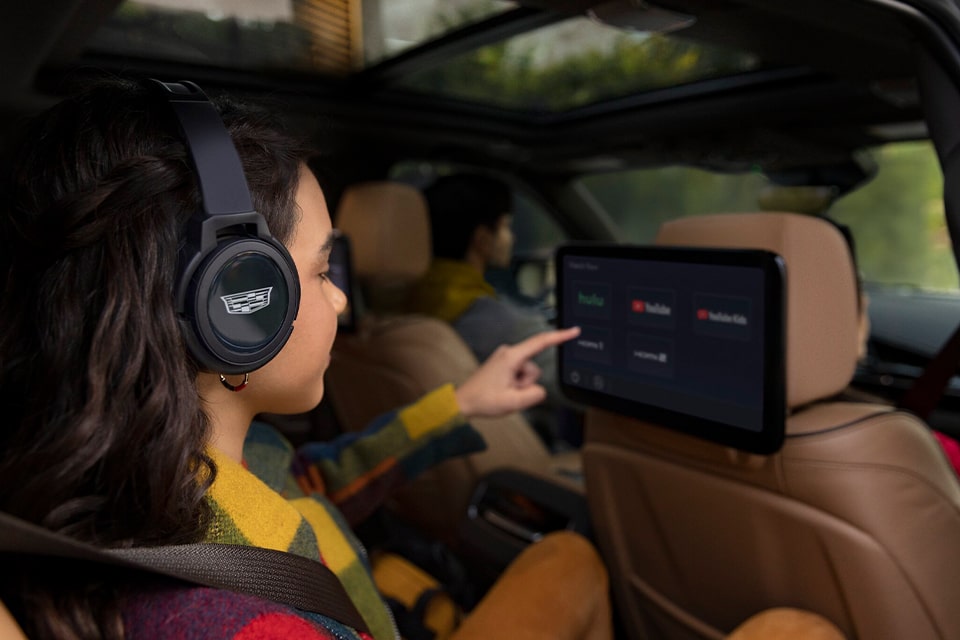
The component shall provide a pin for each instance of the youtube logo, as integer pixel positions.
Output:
(650, 308)
(702, 314)
(638, 305)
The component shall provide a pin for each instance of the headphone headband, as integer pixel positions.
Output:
(215, 159)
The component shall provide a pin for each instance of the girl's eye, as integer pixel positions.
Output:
(325, 275)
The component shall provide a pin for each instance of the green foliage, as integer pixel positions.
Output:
(898, 220)
(508, 74)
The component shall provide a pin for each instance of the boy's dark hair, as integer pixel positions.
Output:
(461, 203)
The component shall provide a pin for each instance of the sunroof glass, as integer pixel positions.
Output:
(392, 27)
(325, 36)
(575, 63)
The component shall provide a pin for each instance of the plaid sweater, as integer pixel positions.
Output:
(304, 501)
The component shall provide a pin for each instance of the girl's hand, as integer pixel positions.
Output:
(507, 380)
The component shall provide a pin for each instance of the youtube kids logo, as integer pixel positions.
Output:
(722, 316)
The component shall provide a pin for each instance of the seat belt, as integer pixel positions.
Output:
(274, 575)
(925, 393)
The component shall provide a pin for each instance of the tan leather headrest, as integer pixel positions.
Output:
(822, 316)
(389, 230)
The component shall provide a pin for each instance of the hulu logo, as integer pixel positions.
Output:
(592, 300)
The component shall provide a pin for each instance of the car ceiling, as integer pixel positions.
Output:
(848, 67)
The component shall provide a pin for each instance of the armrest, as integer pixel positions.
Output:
(510, 509)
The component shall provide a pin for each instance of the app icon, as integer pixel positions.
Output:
(702, 314)
(637, 306)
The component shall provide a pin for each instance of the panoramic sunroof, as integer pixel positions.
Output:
(554, 68)
(574, 63)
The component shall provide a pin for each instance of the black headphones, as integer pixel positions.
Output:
(237, 292)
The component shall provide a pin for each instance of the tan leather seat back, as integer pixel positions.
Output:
(393, 359)
(389, 231)
(821, 290)
(855, 518)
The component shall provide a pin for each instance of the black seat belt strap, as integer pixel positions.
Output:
(925, 393)
(274, 575)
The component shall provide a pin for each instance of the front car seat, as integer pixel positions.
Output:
(392, 359)
(856, 518)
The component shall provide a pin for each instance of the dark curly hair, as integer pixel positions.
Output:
(103, 434)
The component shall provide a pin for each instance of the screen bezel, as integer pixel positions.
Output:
(771, 436)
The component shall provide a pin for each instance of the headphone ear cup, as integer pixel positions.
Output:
(240, 303)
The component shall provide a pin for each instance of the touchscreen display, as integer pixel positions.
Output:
(692, 339)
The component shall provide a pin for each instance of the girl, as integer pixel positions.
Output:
(117, 434)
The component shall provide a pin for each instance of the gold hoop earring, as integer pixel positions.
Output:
(235, 388)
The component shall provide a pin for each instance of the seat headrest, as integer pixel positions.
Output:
(389, 230)
(821, 290)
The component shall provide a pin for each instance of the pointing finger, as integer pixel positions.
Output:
(535, 344)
